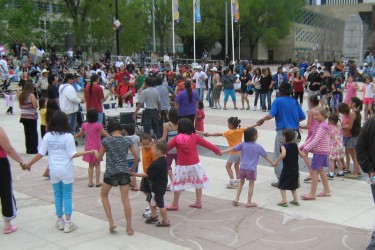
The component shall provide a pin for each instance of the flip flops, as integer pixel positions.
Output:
(90, 185)
(9, 229)
(294, 203)
(172, 207)
(306, 197)
(282, 204)
(323, 194)
(251, 205)
(196, 205)
(98, 185)
(235, 203)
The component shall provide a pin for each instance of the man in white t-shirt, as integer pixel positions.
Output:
(70, 56)
(199, 78)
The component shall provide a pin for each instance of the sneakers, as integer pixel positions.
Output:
(275, 184)
(233, 184)
(330, 177)
(60, 224)
(147, 213)
(69, 227)
(340, 175)
(255, 108)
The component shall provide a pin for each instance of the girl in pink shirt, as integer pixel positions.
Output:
(319, 145)
(351, 88)
(189, 173)
(93, 130)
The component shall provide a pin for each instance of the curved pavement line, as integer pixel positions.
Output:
(172, 234)
(289, 242)
(196, 243)
(236, 237)
(344, 242)
(261, 227)
(204, 221)
(298, 228)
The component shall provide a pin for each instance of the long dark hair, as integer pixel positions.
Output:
(185, 126)
(59, 123)
(94, 77)
(52, 107)
(189, 90)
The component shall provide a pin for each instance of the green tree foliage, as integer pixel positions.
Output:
(267, 21)
(20, 21)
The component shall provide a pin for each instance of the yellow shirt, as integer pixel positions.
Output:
(234, 137)
(147, 158)
(42, 113)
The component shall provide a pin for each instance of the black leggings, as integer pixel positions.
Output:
(8, 203)
(300, 95)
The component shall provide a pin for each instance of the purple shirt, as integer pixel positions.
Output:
(250, 152)
(184, 106)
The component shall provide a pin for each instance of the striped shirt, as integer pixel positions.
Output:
(28, 111)
(319, 142)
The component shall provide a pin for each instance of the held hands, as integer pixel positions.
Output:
(206, 134)
(26, 166)
(260, 122)
(274, 164)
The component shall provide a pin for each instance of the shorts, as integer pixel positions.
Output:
(121, 179)
(345, 140)
(234, 158)
(319, 161)
(352, 142)
(247, 174)
(130, 165)
(155, 200)
(170, 158)
(367, 101)
(145, 185)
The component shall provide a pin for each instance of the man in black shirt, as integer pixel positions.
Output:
(314, 83)
(52, 90)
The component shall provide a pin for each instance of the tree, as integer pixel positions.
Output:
(267, 21)
(20, 21)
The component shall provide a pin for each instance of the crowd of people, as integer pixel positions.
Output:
(173, 123)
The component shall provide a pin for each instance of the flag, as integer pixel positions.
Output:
(235, 9)
(176, 12)
(197, 6)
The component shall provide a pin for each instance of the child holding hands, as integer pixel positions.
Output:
(157, 174)
(250, 152)
(289, 178)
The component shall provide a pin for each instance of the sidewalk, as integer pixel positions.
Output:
(343, 221)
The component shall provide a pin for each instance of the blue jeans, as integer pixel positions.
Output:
(231, 93)
(72, 119)
(63, 198)
(209, 97)
(257, 94)
(100, 118)
(200, 92)
(263, 96)
(150, 120)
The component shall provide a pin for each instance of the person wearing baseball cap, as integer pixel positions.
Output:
(288, 114)
(199, 78)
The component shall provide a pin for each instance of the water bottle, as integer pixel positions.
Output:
(371, 181)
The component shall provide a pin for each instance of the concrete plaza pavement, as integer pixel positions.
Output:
(343, 221)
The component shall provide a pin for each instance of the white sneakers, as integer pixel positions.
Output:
(66, 226)
(69, 227)
(233, 184)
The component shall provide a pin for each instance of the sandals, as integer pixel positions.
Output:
(295, 203)
(196, 205)
(152, 220)
(172, 207)
(134, 189)
(98, 185)
(251, 205)
(306, 197)
(323, 194)
(162, 224)
(112, 228)
(282, 204)
(90, 185)
(10, 229)
(235, 203)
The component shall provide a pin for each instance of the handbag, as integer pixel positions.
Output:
(250, 89)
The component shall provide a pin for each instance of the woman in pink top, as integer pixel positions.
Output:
(189, 172)
(351, 89)
(319, 145)
(93, 131)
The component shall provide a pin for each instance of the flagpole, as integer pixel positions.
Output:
(231, 14)
(173, 43)
(153, 26)
(226, 28)
(194, 26)
(239, 41)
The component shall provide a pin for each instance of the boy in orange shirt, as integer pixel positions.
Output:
(148, 157)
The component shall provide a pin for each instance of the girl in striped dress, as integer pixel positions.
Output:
(319, 145)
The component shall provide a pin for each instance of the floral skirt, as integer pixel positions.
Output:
(189, 176)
